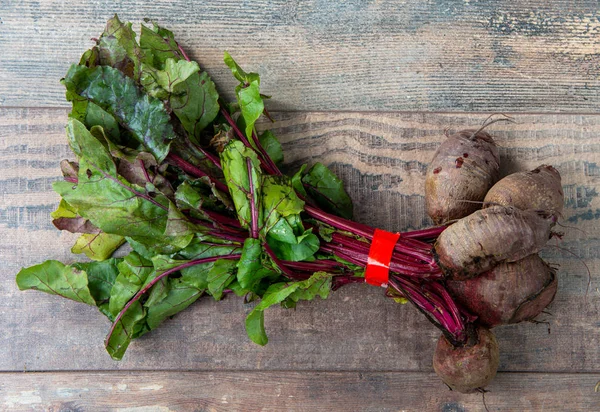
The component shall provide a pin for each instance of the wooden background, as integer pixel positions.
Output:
(367, 87)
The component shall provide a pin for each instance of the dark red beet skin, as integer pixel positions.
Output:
(466, 369)
(509, 293)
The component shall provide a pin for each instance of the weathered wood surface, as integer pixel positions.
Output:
(382, 157)
(290, 391)
(353, 55)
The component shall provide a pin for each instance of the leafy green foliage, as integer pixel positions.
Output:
(109, 201)
(101, 278)
(152, 153)
(158, 45)
(220, 276)
(144, 116)
(133, 272)
(128, 326)
(328, 191)
(162, 83)
(279, 200)
(97, 246)
(272, 146)
(118, 48)
(57, 278)
(250, 264)
(248, 94)
(318, 284)
(237, 176)
(195, 102)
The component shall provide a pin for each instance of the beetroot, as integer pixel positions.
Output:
(509, 293)
(480, 241)
(470, 367)
(463, 169)
(539, 189)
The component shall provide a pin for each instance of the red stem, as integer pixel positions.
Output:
(195, 171)
(264, 163)
(253, 211)
(439, 311)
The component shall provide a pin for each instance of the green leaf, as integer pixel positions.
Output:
(195, 102)
(220, 276)
(142, 115)
(297, 182)
(97, 246)
(148, 247)
(255, 327)
(125, 330)
(326, 232)
(197, 275)
(181, 295)
(279, 196)
(235, 170)
(64, 210)
(188, 197)
(109, 201)
(197, 249)
(306, 247)
(158, 45)
(250, 264)
(160, 289)
(65, 217)
(179, 225)
(319, 284)
(141, 169)
(247, 93)
(193, 97)
(101, 278)
(279, 199)
(57, 278)
(118, 48)
(272, 146)
(161, 83)
(282, 231)
(328, 191)
(238, 72)
(251, 105)
(133, 272)
(91, 115)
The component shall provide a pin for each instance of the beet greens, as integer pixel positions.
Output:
(196, 192)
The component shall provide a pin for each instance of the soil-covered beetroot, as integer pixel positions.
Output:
(463, 169)
(480, 241)
(511, 292)
(539, 189)
(470, 367)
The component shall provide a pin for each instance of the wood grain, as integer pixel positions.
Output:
(289, 391)
(354, 55)
(382, 158)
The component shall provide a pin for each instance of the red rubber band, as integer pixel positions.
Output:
(380, 256)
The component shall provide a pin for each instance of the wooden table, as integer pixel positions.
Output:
(368, 88)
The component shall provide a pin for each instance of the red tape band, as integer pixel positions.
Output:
(380, 256)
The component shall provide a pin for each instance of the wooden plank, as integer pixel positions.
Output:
(413, 55)
(382, 158)
(289, 391)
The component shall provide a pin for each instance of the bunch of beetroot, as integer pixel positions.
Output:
(488, 253)
(196, 201)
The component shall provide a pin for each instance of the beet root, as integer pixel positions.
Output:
(463, 169)
(509, 293)
(478, 242)
(539, 189)
(470, 367)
